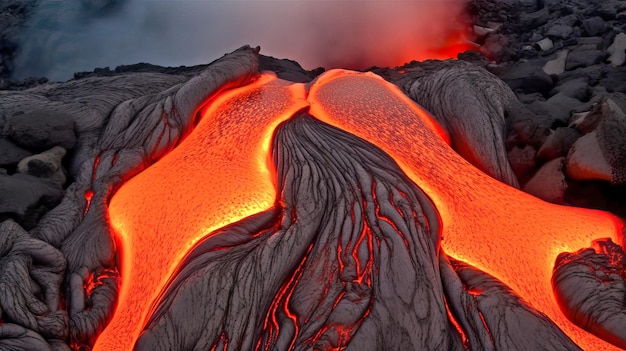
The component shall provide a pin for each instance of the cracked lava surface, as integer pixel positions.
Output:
(222, 173)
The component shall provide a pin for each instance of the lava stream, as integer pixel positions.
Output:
(219, 175)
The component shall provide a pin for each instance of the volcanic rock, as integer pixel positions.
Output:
(523, 162)
(342, 300)
(586, 161)
(25, 198)
(558, 143)
(615, 80)
(589, 285)
(583, 56)
(11, 154)
(610, 134)
(576, 88)
(40, 130)
(30, 275)
(549, 182)
(593, 26)
(528, 77)
(617, 50)
(529, 124)
(559, 107)
(556, 66)
(470, 104)
(594, 74)
(559, 31)
(45, 165)
(288, 69)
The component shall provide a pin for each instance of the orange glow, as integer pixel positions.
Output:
(219, 175)
(449, 47)
(216, 176)
(505, 232)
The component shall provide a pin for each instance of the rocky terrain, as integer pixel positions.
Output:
(540, 107)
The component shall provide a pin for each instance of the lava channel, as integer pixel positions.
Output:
(220, 175)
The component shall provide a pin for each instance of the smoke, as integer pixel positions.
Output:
(64, 37)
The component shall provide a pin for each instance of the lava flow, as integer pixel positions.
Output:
(219, 175)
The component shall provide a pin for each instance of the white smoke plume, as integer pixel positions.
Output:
(68, 36)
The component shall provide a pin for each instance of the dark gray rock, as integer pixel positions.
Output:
(597, 42)
(288, 69)
(40, 130)
(534, 19)
(559, 31)
(617, 50)
(615, 81)
(528, 126)
(558, 143)
(611, 135)
(558, 107)
(583, 56)
(11, 154)
(589, 286)
(594, 74)
(575, 88)
(606, 10)
(528, 77)
(523, 162)
(549, 182)
(470, 104)
(593, 26)
(25, 198)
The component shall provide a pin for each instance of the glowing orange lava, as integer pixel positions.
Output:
(219, 175)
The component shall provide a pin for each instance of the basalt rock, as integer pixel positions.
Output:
(549, 182)
(31, 272)
(11, 154)
(470, 104)
(25, 198)
(40, 130)
(558, 143)
(116, 125)
(589, 285)
(47, 164)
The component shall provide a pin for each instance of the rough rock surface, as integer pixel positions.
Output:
(470, 103)
(590, 287)
(47, 164)
(115, 139)
(31, 272)
(39, 130)
(549, 182)
(115, 122)
(11, 154)
(26, 198)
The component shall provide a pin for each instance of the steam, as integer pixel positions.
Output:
(64, 37)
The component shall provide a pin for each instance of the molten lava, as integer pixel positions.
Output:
(219, 175)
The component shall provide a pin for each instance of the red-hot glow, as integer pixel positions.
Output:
(219, 175)
(216, 176)
(505, 232)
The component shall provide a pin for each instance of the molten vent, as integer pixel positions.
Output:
(337, 198)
